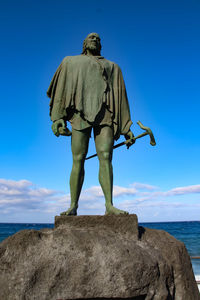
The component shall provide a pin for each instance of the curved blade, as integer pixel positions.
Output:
(149, 132)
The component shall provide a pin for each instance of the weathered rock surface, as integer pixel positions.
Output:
(95, 257)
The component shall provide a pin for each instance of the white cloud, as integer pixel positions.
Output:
(144, 186)
(96, 192)
(11, 189)
(23, 195)
(191, 189)
(21, 184)
(146, 196)
(123, 191)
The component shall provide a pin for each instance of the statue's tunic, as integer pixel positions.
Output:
(90, 86)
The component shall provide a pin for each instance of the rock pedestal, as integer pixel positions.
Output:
(95, 257)
(127, 225)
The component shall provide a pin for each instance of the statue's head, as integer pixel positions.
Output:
(93, 43)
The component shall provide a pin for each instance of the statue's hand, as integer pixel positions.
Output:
(129, 136)
(59, 128)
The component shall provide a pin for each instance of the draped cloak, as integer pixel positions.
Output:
(84, 84)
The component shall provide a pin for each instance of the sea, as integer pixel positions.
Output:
(187, 232)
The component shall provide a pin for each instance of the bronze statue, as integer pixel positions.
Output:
(88, 91)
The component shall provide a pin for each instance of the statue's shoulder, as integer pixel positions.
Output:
(116, 70)
(112, 63)
(73, 58)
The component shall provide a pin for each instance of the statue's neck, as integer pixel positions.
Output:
(92, 53)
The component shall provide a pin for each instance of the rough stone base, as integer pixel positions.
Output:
(123, 224)
(95, 257)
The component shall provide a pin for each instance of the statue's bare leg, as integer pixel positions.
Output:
(79, 146)
(104, 140)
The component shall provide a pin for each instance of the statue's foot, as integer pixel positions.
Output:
(72, 211)
(111, 210)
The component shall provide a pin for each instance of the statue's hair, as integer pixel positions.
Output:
(85, 47)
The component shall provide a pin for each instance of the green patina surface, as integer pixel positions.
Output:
(89, 91)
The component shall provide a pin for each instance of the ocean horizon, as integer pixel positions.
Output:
(187, 232)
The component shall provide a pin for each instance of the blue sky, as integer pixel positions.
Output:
(157, 46)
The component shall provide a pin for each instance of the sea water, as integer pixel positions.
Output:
(187, 232)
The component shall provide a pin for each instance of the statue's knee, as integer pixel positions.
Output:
(104, 155)
(79, 157)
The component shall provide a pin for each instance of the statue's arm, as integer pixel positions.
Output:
(58, 112)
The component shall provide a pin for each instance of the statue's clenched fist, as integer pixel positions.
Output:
(130, 138)
(59, 128)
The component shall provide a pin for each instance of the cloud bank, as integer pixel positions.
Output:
(23, 195)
